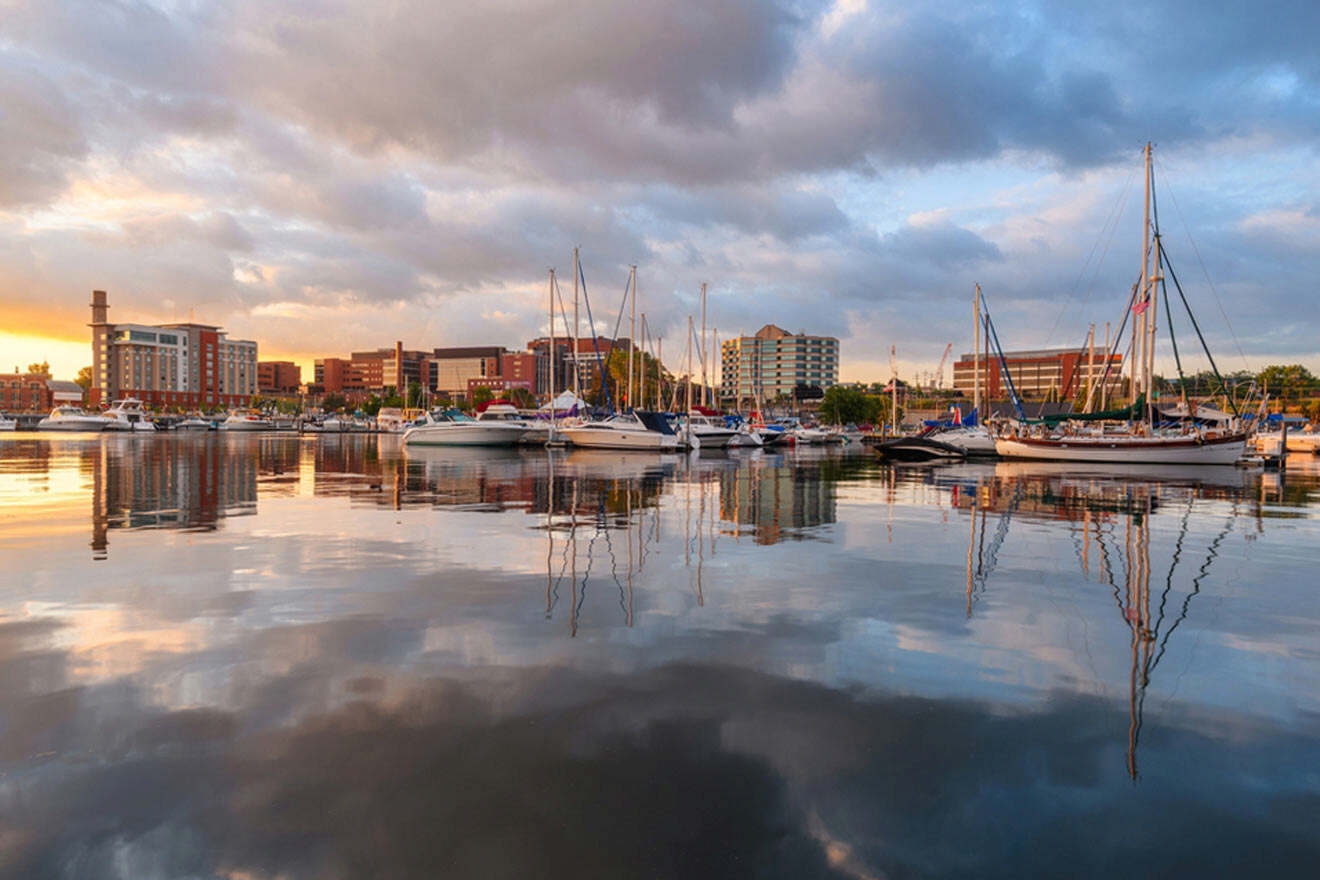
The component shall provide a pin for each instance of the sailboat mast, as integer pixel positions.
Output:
(687, 410)
(703, 344)
(893, 393)
(577, 328)
(1153, 311)
(976, 355)
(714, 349)
(1140, 327)
(552, 357)
(632, 335)
(659, 371)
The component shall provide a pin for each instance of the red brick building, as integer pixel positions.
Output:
(1059, 372)
(278, 377)
(24, 392)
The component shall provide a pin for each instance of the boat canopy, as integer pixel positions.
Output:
(1127, 413)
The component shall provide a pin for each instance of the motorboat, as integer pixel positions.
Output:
(1269, 442)
(746, 437)
(644, 431)
(535, 431)
(921, 447)
(709, 430)
(195, 423)
(974, 441)
(393, 420)
(72, 418)
(7, 424)
(453, 428)
(128, 415)
(811, 436)
(246, 421)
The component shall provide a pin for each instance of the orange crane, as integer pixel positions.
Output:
(939, 374)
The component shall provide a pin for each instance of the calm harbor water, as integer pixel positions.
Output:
(323, 657)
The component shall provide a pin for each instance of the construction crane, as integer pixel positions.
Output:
(939, 374)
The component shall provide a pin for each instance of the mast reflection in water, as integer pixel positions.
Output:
(329, 656)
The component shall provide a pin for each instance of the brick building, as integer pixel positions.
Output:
(278, 377)
(181, 364)
(26, 392)
(1060, 372)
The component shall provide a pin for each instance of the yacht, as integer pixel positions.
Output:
(709, 430)
(7, 424)
(975, 441)
(194, 422)
(72, 418)
(453, 428)
(535, 431)
(646, 431)
(128, 415)
(246, 421)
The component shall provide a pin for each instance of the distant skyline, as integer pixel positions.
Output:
(327, 175)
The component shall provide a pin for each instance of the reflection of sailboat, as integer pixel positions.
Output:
(1150, 619)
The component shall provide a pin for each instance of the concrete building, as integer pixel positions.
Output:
(181, 364)
(1061, 372)
(278, 377)
(775, 362)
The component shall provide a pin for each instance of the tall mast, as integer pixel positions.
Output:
(976, 356)
(1090, 368)
(632, 335)
(552, 360)
(1153, 311)
(703, 344)
(893, 393)
(1104, 386)
(687, 409)
(1140, 327)
(659, 371)
(577, 329)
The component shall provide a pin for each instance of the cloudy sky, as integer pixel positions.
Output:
(322, 175)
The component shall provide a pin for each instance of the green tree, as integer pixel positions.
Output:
(84, 379)
(414, 398)
(842, 406)
(522, 398)
(372, 405)
(482, 396)
(42, 369)
(1287, 381)
(333, 403)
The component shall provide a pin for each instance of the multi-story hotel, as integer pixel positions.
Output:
(775, 362)
(1057, 372)
(183, 364)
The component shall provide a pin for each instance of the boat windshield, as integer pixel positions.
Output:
(452, 415)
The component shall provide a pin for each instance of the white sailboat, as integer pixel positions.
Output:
(1140, 439)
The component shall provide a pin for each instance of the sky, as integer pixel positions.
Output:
(329, 175)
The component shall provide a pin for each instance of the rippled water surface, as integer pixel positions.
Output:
(325, 657)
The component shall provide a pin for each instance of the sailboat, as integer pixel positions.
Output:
(1089, 437)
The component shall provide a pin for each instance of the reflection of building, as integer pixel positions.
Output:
(774, 362)
(171, 485)
(777, 502)
(185, 364)
(1060, 371)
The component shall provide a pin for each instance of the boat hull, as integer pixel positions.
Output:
(919, 449)
(620, 438)
(246, 426)
(463, 434)
(1119, 450)
(48, 424)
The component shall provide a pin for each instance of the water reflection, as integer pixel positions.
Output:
(333, 657)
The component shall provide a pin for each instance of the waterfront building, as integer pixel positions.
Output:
(774, 362)
(584, 357)
(24, 391)
(278, 377)
(181, 364)
(1049, 372)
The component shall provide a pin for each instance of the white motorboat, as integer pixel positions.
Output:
(746, 438)
(392, 420)
(246, 421)
(645, 431)
(975, 442)
(7, 424)
(194, 423)
(710, 431)
(128, 415)
(535, 431)
(453, 428)
(72, 418)
(811, 436)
